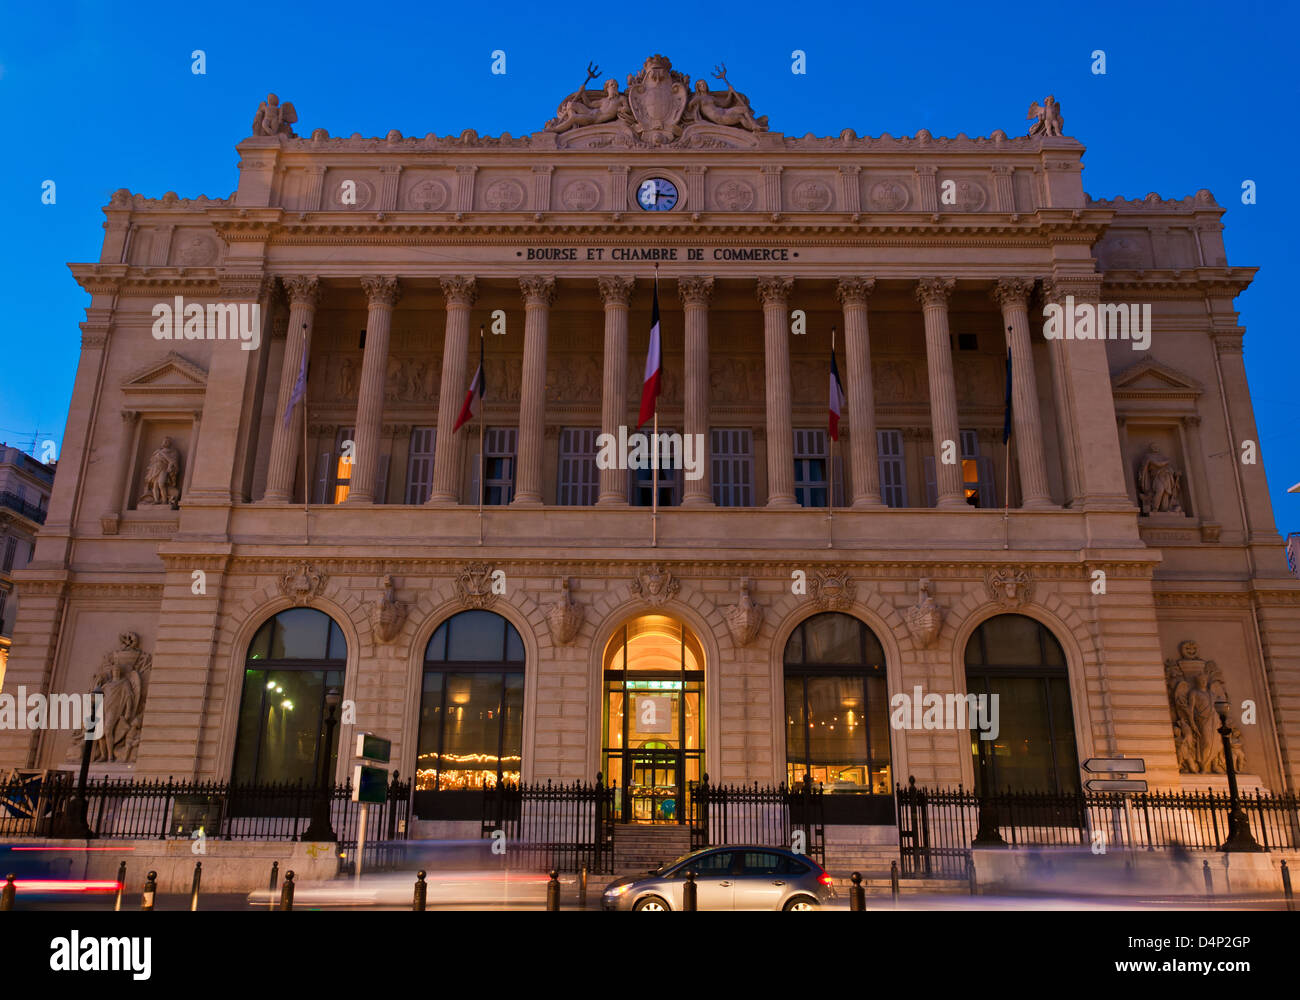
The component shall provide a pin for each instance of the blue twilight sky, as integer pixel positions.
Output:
(101, 96)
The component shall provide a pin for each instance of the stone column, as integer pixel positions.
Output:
(286, 439)
(383, 292)
(853, 294)
(1012, 294)
(775, 295)
(695, 293)
(460, 292)
(933, 294)
(111, 518)
(539, 293)
(616, 293)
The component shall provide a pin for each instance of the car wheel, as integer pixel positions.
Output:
(800, 903)
(650, 903)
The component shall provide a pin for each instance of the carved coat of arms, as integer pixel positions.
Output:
(831, 591)
(476, 583)
(655, 585)
(1010, 586)
(656, 100)
(302, 584)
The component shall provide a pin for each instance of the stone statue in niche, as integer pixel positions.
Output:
(1158, 484)
(1194, 686)
(347, 379)
(274, 118)
(162, 477)
(123, 680)
(1048, 120)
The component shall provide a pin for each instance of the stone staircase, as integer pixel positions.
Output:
(639, 847)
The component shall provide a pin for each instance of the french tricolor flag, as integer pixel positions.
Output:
(653, 366)
(475, 391)
(837, 398)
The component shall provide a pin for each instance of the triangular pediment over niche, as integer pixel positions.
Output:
(171, 374)
(1150, 378)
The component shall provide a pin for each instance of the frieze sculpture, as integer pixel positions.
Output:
(589, 107)
(564, 617)
(162, 477)
(924, 618)
(388, 614)
(1158, 483)
(655, 585)
(744, 618)
(1194, 686)
(831, 591)
(1048, 120)
(300, 585)
(274, 118)
(1009, 586)
(723, 107)
(123, 680)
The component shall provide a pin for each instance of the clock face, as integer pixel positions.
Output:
(656, 194)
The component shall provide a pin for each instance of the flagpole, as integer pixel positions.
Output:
(306, 479)
(1006, 492)
(654, 460)
(830, 477)
(482, 419)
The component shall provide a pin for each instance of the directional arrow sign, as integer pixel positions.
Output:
(1115, 785)
(1115, 765)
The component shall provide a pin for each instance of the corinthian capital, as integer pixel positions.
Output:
(775, 291)
(302, 289)
(695, 290)
(935, 291)
(459, 289)
(382, 289)
(854, 291)
(1013, 291)
(615, 290)
(537, 289)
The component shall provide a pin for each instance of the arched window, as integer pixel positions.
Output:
(294, 662)
(837, 715)
(1017, 660)
(471, 709)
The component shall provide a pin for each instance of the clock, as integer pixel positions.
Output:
(656, 194)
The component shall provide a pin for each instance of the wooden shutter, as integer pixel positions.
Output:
(931, 482)
(579, 480)
(893, 481)
(732, 459)
(419, 465)
(323, 477)
(988, 485)
(381, 478)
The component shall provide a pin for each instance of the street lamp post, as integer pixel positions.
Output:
(987, 833)
(1239, 835)
(72, 823)
(321, 827)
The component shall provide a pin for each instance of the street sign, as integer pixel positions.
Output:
(1115, 765)
(375, 748)
(1115, 785)
(369, 784)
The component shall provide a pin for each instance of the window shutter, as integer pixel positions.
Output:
(838, 498)
(381, 478)
(931, 482)
(419, 465)
(733, 466)
(893, 484)
(579, 480)
(11, 546)
(970, 446)
(474, 491)
(988, 487)
(322, 477)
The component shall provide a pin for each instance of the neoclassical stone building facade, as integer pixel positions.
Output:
(206, 497)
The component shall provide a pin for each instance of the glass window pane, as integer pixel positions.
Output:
(512, 724)
(614, 720)
(1012, 641)
(832, 638)
(437, 648)
(831, 738)
(514, 645)
(426, 763)
(476, 635)
(338, 647)
(795, 748)
(794, 647)
(300, 634)
(761, 863)
(1067, 757)
(471, 730)
(1021, 756)
(249, 733)
(261, 646)
(878, 718)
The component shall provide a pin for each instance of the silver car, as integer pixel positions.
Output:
(728, 878)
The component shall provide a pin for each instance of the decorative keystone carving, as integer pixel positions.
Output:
(831, 591)
(388, 614)
(1009, 586)
(565, 616)
(744, 618)
(478, 585)
(925, 617)
(655, 585)
(302, 584)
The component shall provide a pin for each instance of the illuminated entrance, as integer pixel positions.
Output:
(654, 718)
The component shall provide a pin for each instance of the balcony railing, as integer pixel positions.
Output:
(16, 503)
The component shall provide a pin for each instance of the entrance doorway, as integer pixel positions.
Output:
(653, 718)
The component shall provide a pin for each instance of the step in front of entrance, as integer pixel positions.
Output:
(639, 847)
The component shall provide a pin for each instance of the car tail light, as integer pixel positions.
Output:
(825, 879)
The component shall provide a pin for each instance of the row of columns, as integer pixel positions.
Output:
(460, 293)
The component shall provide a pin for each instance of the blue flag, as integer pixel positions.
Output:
(1006, 413)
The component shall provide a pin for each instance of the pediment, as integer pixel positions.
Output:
(171, 374)
(1150, 378)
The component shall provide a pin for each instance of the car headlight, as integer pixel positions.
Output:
(617, 890)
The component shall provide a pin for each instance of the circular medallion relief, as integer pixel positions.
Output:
(352, 193)
(733, 196)
(581, 196)
(197, 250)
(811, 196)
(504, 196)
(970, 196)
(427, 196)
(888, 196)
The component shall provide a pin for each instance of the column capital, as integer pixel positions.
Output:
(459, 289)
(129, 417)
(537, 289)
(775, 291)
(1012, 291)
(615, 289)
(382, 289)
(302, 289)
(854, 290)
(695, 290)
(935, 291)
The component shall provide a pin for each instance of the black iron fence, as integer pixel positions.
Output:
(938, 827)
(36, 805)
(767, 817)
(565, 827)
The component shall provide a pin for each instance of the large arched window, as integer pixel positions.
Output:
(1017, 660)
(294, 661)
(837, 715)
(471, 709)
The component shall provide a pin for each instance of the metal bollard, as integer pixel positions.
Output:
(121, 885)
(857, 894)
(10, 890)
(1209, 878)
(275, 882)
(421, 892)
(582, 888)
(194, 886)
(893, 880)
(553, 891)
(1286, 886)
(688, 893)
(150, 890)
(286, 894)
(970, 876)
